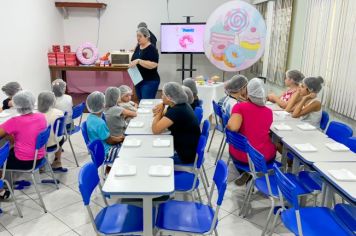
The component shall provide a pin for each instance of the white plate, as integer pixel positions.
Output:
(136, 124)
(160, 170)
(305, 147)
(146, 103)
(125, 170)
(306, 126)
(143, 110)
(132, 143)
(161, 142)
(342, 175)
(283, 127)
(337, 147)
(4, 114)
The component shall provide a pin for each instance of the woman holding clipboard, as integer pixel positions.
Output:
(146, 58)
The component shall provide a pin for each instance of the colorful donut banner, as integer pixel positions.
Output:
(82, 58)
(235, 36)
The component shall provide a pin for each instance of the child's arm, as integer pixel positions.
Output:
(115, 139)
(275, 99)
(293, 101)
(301, 109)
(128, 113)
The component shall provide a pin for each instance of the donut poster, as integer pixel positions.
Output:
(235, 36)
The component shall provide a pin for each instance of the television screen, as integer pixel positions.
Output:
(182, 38)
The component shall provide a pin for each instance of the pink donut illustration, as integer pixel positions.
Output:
(218, 51)
(186, 40)
(83, 58)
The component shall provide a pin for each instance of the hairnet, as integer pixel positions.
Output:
(95, 102)
(59, 87)
(112, 95)
(189, 94)
(235, 84)
(190, 83)
(142, 25)
(46, 100)
(295, 75)
(24, 102)
(144, 31)
(314, 84)
(175, 93)
(11, 88)
(124, 89)
(256, 92)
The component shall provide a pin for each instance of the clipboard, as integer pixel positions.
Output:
(135, 75)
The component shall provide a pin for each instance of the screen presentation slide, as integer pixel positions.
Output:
(182, 38)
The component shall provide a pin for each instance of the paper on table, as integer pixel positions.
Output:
(143, 110)
(135, 75)
(306, 126)
(136, 124)
(282, 127)
(132, 143)
(161, 142)
(305, 147)
(160, 170)
(125, 170)
(337, 147)
(147, 103)
(342, 175)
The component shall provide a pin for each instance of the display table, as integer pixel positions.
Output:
(207, 93)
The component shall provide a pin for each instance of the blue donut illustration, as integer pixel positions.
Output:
(233, 56)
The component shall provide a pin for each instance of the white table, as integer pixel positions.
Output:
(346, 189)
(207, 93)
(146, 149)
(284, 116)
(147, 126)
(149, 103)
(141, 185)
(273, 106)
(296, 131)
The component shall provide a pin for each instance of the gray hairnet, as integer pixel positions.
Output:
(295, 75)
(24, 102)
(142, 25)
(189, 94)
(235, 84)
(256, 92)
(59, 87)
(144, 31)
(190, 83)
(95, 102)
(11, 88)
(46, 100)
(175, 93)
(314, 84)
(112, 95)
(124, 89)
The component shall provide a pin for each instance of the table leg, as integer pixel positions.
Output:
(147, 216)
(328, 196)
(295, 166)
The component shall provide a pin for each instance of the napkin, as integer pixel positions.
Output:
(160, 170)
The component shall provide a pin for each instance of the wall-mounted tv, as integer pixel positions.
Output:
(182, 37)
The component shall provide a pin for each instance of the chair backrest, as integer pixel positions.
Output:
(351, 143)
(237, 140)
(4, 153)
(97, 152)
(78, 110)
(324, 120)
(338, 131)
(84, 129)
(59, 126)
(198, 111)
(217, 111)
(220, 180)
(200, 103)
(286, 188)
(42, 138)
(225, 119)
(200, 151)
(258, 160)
(205, 129)
(103, 116)
(88, 180)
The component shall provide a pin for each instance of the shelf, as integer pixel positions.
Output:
(95, 5)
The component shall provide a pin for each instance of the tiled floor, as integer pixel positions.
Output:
(68, 216)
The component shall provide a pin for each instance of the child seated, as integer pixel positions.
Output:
(10, 89)
(125, 99)
(97, 128)
(114, 114)
(190, 83)
(292, 80)
(305, 104)
(64, 102)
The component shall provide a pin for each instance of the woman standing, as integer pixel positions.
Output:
(146, 57)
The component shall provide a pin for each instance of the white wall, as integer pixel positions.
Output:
(28, 29)
(118, 28)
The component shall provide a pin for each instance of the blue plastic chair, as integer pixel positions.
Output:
(193, 217)
(200, 103)
(218, 123)
(117, 219)
(267, 184)
(347, 214)
(84, 129)
(77, 113)
(97, 154)
(306, 220)
(41, 142)
(188, 181)
(205, 129)
(4, 154)
(324, 120)
(198, 111)
(338, 131)
(59, 132)
(351, 143)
